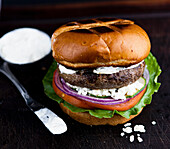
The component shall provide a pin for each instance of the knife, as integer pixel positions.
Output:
(54, 123)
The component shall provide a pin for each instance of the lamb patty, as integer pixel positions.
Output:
(86, 78)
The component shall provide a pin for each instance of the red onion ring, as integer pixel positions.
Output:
(60, 83)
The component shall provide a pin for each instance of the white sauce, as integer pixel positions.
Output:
(99, 70)
(111, 69)
(54, 123)
(121, 93)
(66, 70)
(24, 45)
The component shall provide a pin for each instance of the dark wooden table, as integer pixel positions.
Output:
(20, 128)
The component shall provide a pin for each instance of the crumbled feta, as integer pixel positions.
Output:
(140, 139)
(122, 134)
(131, 138)
(153, 123)
(139, 128)
(120, 93)
(127, 130)
(127, 124)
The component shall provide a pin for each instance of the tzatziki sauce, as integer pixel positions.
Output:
(24, 45)
(99, 70)
(111, 69)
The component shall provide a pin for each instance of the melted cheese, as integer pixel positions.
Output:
(120, 93)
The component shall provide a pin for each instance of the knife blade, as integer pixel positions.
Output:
(54, 123)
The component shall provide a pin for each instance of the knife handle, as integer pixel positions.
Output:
(32, 104)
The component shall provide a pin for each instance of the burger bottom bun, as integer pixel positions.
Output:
(88, 119)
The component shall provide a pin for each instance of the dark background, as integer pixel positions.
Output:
(40, 2)
(19, 127)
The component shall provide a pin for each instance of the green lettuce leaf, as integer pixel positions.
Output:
(153, 86)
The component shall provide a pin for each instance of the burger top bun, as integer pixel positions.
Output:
(100, 42)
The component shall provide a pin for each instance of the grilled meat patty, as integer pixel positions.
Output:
(86, 78)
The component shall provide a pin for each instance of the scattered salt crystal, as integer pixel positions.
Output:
(140, 139)
(138, 135)
(127, 124)
(127, 130)
(139, 128)
(122, 134)
(132, 138)
(153, 123)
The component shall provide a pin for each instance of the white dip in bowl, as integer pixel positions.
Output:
(24, 45)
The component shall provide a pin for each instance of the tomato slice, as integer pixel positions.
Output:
(70, 99)
(88, 105)
(120, 107)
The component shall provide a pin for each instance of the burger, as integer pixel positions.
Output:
(103, 72)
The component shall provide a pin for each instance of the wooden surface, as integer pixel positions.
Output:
(19, 127)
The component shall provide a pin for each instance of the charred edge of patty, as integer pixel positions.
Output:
(86, 78)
